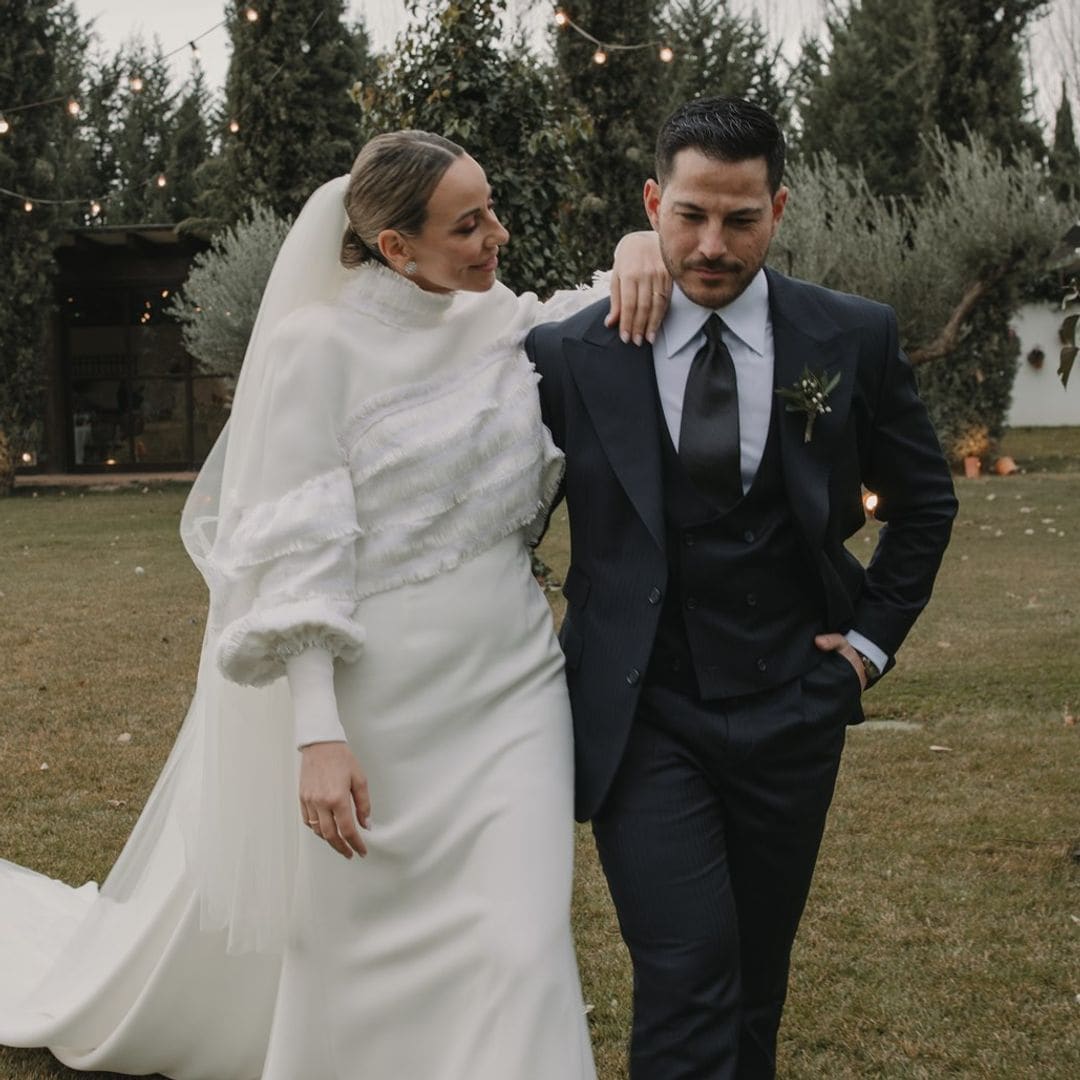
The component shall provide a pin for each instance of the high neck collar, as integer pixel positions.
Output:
(392, 298)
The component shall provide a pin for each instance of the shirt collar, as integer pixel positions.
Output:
(747, 317)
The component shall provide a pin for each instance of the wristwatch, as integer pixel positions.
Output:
(873, 672)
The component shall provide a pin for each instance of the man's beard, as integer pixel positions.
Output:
(717, 293)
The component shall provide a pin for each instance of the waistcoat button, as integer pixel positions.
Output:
(751, 599)
(633, 677)
(762, 665)
(748, 536)
(691, 603)
(654, 595)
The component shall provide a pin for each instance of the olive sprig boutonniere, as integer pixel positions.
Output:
(810, 395)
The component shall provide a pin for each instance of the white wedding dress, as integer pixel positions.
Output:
(403, 471)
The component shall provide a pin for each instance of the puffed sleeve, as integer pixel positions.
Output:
(284, 558)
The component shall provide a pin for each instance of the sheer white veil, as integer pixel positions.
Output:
(242, 832)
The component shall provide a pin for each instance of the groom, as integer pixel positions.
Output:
(718, 635)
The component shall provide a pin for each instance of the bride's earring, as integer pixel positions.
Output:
(410, 267)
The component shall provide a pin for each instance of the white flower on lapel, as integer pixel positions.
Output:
(810, 395)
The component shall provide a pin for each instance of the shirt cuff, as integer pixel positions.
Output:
(311, 684)
(868, 648)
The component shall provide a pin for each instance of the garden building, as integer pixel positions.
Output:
(123, 393)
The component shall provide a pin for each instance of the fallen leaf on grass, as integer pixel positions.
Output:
(941, 748)
(117, 803)
(44, 767)
(124, 738)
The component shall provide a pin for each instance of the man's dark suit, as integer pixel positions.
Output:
(772, 787)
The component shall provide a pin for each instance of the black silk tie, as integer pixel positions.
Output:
(709, 432)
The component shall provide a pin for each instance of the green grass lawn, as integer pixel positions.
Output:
(942, 937)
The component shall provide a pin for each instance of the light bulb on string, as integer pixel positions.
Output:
(28, 206)
(136, 84)
(161, 181)
(561, 18)
(73, 107)
(599, 57)
(667, 54)
(251, 14)
(194, 49)
(95, 208)
(5, 126)
(234, 126)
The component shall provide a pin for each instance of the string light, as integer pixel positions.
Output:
(665, 52)
(137, 83)
(73, 106)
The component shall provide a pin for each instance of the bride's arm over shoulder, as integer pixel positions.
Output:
(638, 285)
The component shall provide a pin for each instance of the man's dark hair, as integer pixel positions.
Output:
(728, 129)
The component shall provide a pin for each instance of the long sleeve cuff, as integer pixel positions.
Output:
(311, 684)
(868, 648)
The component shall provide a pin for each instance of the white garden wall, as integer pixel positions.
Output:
(1039, 400)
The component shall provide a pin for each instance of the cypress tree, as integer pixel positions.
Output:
(287, 93)
(718, 53)
(624, 99)
(190, 145)
(980, 73)
(1064, 154)
(867, 96)
(142, 137)
(40, 156)
(893, 74)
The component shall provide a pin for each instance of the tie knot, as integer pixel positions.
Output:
(713, 327)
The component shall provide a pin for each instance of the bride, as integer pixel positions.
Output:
(362, 526)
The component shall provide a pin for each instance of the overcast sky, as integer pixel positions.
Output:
(176, 23)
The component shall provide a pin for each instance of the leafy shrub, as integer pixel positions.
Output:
(220, 299)
(951, 264)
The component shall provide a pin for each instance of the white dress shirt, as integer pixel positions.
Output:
(748, 335)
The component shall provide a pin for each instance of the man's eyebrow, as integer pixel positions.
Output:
(682, 204)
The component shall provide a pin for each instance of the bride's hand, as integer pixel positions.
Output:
(334, 796)
(640, 287)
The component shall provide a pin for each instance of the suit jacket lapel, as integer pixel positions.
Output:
(804, 338)
(618, 388)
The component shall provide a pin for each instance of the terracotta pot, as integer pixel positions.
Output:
(972, 466)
